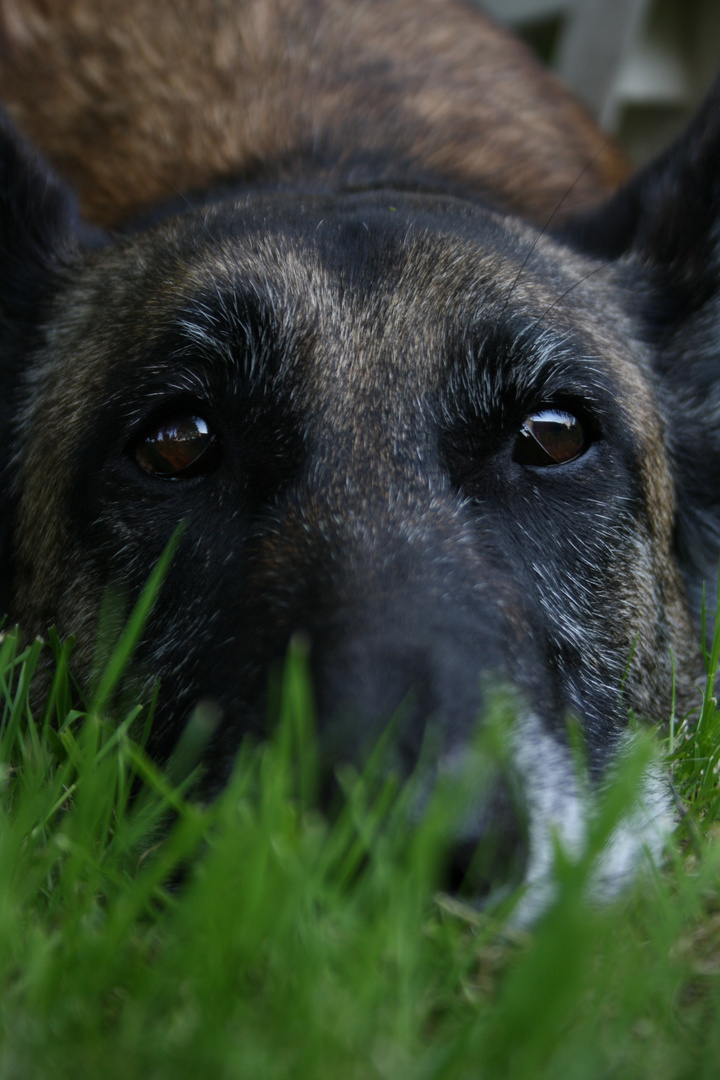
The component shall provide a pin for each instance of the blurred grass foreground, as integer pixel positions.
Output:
(144, 933)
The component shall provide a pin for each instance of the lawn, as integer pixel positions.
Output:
(143, 934)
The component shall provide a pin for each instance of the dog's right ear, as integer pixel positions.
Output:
(40, 237)
(662, 231)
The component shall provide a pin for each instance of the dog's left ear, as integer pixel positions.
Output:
(663, 228)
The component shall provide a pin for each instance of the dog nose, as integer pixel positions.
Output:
(427, 701)
(429, 695)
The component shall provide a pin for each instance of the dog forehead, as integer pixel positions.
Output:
(355, 260)
(384, 269)
(380, 253)
(387, 286)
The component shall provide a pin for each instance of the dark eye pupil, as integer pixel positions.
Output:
(180, 447)
(550, 437)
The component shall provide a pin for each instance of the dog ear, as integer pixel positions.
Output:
(664, 228)
(38, 235)
(39, 239)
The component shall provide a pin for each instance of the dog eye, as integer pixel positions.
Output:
(550, 437)
(178, 448)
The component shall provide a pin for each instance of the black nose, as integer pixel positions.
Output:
(419, 688)
(430, 694)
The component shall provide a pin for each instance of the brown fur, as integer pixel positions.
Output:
(136, 101)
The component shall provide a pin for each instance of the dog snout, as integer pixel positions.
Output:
(425, 708)
(414, 682)
(427, 688)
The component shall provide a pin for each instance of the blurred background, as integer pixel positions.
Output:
(641, 66)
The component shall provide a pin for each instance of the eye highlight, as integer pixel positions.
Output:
(178, 448)
(550, 437)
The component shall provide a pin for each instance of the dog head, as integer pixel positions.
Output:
(452, 450)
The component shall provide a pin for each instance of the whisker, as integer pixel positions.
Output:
(549, 222)
(603, 266)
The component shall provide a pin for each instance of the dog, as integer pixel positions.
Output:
(421, 381)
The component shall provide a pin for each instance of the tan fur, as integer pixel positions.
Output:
(134, 102)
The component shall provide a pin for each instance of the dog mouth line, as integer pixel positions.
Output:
(556, 811)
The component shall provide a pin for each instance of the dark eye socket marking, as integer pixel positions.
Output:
(178, 448)
(550, 437)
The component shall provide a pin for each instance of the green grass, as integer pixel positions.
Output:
(145, 935)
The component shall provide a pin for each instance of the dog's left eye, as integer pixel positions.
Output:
(550, 437)
(178, 448)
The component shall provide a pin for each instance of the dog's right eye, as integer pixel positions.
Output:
(550, 437)
(178, 448)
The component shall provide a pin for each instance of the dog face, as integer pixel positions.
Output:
(450, 449)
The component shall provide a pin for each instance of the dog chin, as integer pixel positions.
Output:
(561, 812)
